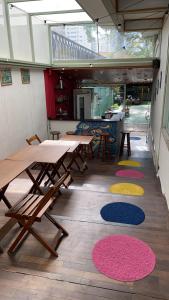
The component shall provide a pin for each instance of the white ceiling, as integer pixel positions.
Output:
(133, 15)
(149, 14)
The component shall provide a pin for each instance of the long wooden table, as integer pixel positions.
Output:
(15, 164)
(46, 156)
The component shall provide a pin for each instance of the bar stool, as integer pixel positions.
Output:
(104, 145)
(53, 133)
(124, 134)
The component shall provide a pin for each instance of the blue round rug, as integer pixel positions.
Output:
(135, 138)
(121, 212)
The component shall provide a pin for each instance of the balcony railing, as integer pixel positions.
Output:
(64, 48)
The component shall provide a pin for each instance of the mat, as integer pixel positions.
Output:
(135, 138)
(126, 189)
(123, 258)
(130, 163)
(121, 212)
(130, 174)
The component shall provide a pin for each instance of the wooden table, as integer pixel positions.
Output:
(46, 156)
(84, 140)
(74, 152)
(9, 170)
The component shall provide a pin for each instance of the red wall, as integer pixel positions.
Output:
(54, 94)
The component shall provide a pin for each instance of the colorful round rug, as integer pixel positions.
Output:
(121, 212)
(130, 174)
(130, 163)
(123, 258)
(126, 189)
(135, 138)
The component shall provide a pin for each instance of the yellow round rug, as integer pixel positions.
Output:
(130, 163)
(127, 189)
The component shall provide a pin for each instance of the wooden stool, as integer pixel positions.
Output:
(53, 133)
(104, 145)
(124, 134)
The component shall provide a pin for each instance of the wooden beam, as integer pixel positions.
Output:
(56, 12)
(142, 10)
(111, 7)
(143, 24)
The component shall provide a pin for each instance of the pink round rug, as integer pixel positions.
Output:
(130, 174)
(123, 258)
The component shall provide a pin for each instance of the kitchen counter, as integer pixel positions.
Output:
(97, 126)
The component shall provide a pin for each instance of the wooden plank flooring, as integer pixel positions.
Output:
(33, 274)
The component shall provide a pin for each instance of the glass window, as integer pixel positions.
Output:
(20, 34)
(48, 5)
(109, 43)
(40, 40)
(4, 48)
(166, 103)
(66, 18)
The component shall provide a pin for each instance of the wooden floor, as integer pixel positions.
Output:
(33, 274)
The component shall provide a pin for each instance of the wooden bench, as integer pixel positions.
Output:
(31, 209)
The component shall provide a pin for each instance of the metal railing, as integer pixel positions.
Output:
(64, 48)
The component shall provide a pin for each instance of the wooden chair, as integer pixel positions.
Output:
(29, 210)
(33, 138)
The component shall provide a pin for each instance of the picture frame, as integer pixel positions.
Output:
(5, 77)
(25, 76)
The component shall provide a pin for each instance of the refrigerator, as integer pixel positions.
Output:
(82, 103)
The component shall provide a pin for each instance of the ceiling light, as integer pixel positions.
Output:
(118, 26)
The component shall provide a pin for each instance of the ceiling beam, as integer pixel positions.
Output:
(143, 24)
(111, 7)
(142, 10)
(56, 12)
(69, 23)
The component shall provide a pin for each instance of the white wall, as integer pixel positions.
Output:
(22, 111)
(159, 138)
(157, 106)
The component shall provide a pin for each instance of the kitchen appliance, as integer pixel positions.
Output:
(82, 103)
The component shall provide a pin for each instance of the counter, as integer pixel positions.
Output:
(97, 126)
(94, 127)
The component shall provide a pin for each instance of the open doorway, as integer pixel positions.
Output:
(138, 103)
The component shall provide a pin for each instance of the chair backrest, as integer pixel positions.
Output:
(52, 191)
(33, 138)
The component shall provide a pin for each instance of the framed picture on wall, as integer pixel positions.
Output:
(5, 77)
(25, 76)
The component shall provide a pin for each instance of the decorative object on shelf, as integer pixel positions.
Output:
(25, 76)
(62, 99)
(6, 77)
(60, 85)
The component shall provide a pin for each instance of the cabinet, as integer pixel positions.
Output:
(59, 97)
